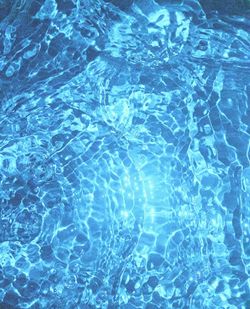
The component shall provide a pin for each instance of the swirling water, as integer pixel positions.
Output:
(124, 154)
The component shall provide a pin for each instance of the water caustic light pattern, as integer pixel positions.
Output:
(124, 154)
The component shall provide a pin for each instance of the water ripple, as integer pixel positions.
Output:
(124, 154)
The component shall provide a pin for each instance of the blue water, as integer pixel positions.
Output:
(124, 154)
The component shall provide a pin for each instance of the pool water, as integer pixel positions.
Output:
(124, 154)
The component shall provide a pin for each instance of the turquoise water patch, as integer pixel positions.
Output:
(124, 154)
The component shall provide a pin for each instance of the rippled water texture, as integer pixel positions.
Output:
(124, 154)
